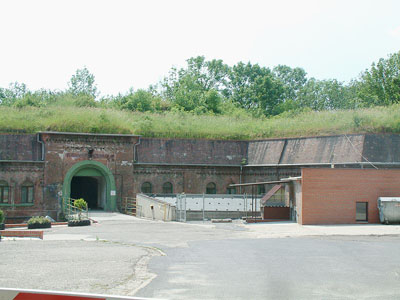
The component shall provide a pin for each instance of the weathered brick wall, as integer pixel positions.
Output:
(382, 147)
(192, 180)
(323, 149)
(16, 174)
(62, 151)
(195, 179)
(19, 147)
(329, 196)
(170, 160)
(265, 151)
(191, 151)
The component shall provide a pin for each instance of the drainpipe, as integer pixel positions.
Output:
(134, 150)
(41, 142)
(240, 179)
(242, 163)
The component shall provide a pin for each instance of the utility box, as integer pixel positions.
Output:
(389, 209)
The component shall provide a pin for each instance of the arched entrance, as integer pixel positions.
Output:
(92, 181)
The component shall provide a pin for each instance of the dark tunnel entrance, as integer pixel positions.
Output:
(88, 188)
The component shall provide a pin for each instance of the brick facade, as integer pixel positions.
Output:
(62, 151)
(329, 196)
(44, 160)
(16, 175)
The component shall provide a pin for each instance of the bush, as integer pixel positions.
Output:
(38, 222)
(80, 203)
(2, 216)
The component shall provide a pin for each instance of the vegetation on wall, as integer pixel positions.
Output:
(210, 99)
(185, 125)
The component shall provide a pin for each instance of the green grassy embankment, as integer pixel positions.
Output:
(183, 125)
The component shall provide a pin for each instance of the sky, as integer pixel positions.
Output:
(135, 43)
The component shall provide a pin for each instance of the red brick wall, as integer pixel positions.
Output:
(16, 174)
(329, 196)
(62, 151)
(19, 147)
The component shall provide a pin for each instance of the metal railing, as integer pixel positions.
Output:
(72, 212)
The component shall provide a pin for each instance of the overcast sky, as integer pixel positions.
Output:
(135, 43)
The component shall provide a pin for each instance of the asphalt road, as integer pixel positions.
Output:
(127, 256)
(287, 268)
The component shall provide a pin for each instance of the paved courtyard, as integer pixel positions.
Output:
(124, 255)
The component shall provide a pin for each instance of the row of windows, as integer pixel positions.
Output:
(26, 193)
(167, 188)
(211, 188)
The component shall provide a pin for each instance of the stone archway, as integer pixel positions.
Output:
(93, 169)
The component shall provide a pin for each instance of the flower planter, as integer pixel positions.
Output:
(39, 225)
(79, 223)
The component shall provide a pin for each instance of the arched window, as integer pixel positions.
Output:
(27, 193)
(167, 188)
(146, 188)
(211, 188)
(4, 192)
(260, 189)
(231, 189)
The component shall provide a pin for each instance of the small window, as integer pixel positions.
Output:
(260, 189)
(362, 211)
(167, 188)
(146, 188)
(231, 190)
(211, 188)
(27, 193)
(4, 192)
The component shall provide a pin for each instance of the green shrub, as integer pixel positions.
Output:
(2, 217)
(38, 220)
(80, 203)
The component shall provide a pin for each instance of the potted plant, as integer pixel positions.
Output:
(38, 222)
(2, 217)
(79, 219)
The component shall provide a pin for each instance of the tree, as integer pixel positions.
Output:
(254, 87)
(198, 87)
(14, 92)
(82, 82)
(380, 85)
(140, 100)
(293, 80)
(323, 95)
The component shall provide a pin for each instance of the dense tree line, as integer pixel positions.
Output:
(213, 87)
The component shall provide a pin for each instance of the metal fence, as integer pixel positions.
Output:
(72, 212)
(206, 206)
